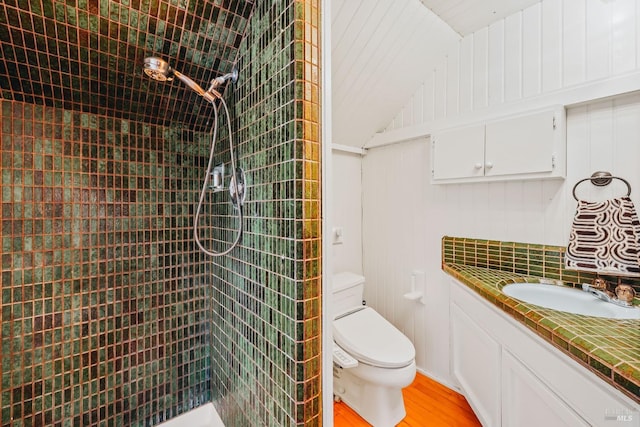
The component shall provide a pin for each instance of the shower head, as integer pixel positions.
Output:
(159, 69)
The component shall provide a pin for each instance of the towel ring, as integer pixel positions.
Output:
(601, 179)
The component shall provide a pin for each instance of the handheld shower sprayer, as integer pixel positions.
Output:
(158, 69)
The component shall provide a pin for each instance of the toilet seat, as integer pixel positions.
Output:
(371, 339)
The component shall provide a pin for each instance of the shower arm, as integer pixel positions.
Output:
(159, 69)
(219, 81)
(210, 95)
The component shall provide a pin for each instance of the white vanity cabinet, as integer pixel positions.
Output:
(528, 402)
(512, 377)
(476, 365)
(526, 146)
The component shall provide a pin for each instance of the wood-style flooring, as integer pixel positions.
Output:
(427, 402)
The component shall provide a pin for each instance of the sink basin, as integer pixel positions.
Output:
(567, 299)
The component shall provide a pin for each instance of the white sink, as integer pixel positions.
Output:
(567, 299)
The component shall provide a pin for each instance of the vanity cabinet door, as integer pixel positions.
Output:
(476, 366)
(527, 402)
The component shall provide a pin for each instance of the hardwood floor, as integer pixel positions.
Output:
(428, 404)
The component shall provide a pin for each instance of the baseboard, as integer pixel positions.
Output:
(445, 382)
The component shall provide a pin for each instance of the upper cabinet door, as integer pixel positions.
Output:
(520, 145)
(459, 153)
(530, 145)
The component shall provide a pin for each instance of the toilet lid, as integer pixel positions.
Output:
(371, 339)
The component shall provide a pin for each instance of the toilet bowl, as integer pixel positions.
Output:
(383, 358)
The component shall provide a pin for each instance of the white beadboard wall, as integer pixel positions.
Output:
(346, 200)
(547, 47)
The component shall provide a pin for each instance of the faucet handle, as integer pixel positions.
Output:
(625, 293)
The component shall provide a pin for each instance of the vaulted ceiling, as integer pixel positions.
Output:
(467, 16)
(382, 50)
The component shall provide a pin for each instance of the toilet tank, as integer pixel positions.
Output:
(347, 291)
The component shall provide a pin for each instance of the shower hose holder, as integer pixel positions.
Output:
(237, 180)
(238, 188)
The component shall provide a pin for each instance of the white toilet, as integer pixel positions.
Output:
(373, 361)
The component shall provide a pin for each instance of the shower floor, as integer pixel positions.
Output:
(202, 416)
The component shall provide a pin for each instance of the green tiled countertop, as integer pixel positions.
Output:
(608, 347)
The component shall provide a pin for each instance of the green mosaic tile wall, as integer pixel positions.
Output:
(521, 258)
(266, 297)
(112, 316)
(104, 297)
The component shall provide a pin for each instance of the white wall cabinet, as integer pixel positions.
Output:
(459, 153)
(526, 146)
(512, 377)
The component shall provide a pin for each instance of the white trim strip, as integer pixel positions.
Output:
(348, 149)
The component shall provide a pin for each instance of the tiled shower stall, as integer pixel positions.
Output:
(110, 314)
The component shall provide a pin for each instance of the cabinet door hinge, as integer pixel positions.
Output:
(554, 122)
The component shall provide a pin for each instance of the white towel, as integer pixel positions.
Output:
(605, 238)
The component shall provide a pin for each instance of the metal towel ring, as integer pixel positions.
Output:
(601, 179)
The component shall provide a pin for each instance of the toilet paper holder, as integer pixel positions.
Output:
(417, 287)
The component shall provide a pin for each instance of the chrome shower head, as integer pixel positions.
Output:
(158, 69)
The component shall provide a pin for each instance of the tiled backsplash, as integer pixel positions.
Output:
(522, 258)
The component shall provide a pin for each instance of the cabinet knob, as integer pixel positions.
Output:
(478, 166)
(488, 165)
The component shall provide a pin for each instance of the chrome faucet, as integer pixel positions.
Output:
(623, 296)
(603, 295)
